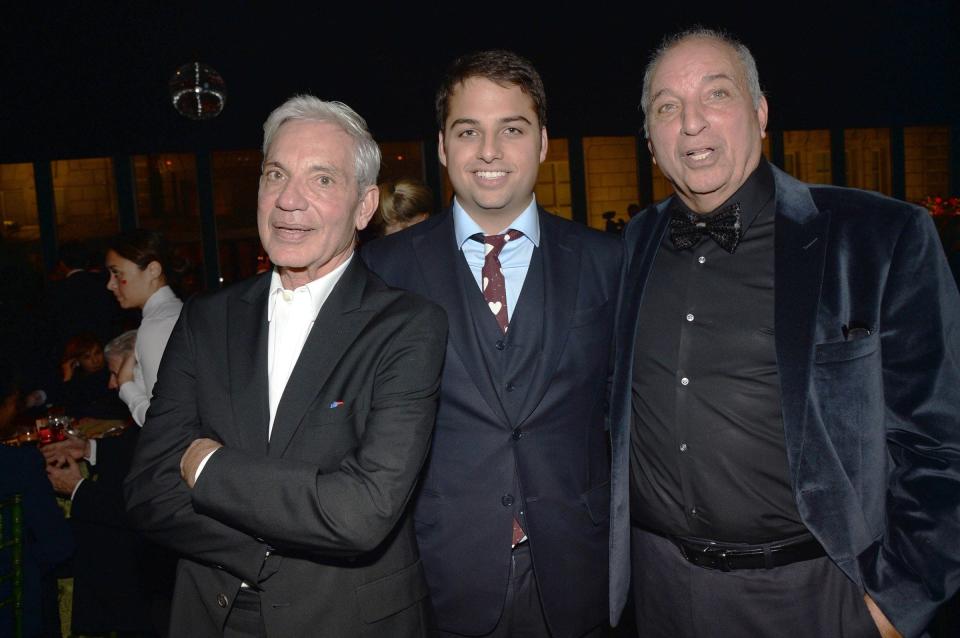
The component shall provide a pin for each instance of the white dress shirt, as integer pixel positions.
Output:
(291, 314)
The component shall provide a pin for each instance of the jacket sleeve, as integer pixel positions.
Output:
(914, 567)
(351, 510)
(158, 501)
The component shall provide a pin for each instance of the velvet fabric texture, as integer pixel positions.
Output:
(867, 324)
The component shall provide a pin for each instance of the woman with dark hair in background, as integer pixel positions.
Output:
(142, 267)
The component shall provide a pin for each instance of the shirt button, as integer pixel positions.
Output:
(701, 259)
(689, 316)
(506, 500)
(500, 345)
(683, 447)
(684, 381)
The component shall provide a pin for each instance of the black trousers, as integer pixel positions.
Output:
(676, 599)
(522, 615)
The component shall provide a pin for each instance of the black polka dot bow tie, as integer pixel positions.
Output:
(686, 228)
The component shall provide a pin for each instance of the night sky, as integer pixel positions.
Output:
(86, 79)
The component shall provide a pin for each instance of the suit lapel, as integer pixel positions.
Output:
(336, 327)
(438, 256)
(247, 337)
(800, 250)
(561, 278)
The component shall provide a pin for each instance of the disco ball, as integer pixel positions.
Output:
(198, 92)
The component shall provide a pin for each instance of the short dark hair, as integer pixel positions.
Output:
(499, 66)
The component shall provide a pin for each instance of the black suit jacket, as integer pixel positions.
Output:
(555, 442)
(871, 422)
(327, 493)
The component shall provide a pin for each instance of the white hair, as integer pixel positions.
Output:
(308, 107)
(122, 345)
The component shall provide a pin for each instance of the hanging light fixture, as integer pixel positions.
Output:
(197, 91)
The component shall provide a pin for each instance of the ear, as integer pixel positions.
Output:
(441, 152)
(762, 116)
(652, 154)
(154, 269)
(367, 206)
(543, 144)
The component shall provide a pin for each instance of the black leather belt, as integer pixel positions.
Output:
(726, 557)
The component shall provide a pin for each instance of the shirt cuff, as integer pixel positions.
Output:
(196, 477)
(92, 457)
(75, 488)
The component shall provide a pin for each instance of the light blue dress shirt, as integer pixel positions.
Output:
(515, 256)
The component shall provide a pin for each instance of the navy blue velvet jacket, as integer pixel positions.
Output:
(872, 424)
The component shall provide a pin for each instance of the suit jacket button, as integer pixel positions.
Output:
(506, 500)
(500, 345)
(222, 600)
(511, 387)
(517, 434)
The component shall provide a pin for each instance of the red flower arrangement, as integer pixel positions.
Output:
(941, 205)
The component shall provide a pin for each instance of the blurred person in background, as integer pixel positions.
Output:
(403, 203)
(47, 538)
(142, 268)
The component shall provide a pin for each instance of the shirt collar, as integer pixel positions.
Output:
(316, 291)
(753, 195)
(528, 223)
(161, 296)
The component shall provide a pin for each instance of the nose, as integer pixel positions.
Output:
(693, 120)
(490, 148)
(112, 282)
(291, 197)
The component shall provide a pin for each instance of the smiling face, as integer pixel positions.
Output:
(131, 285)
(704, 132)
(309, 207)
(492, 145)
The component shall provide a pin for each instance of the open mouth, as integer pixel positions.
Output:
(490, 175)
(698, 154)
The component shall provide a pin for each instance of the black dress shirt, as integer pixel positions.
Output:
(708, 456)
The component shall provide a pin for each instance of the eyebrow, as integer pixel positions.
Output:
(706, 78)
(469, 121)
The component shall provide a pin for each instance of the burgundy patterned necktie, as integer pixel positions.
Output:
(495, 293)
(494, 287)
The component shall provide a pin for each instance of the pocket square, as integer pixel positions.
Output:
(336, 404)
(856, 330)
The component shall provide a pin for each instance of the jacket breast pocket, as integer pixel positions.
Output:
(846, 350)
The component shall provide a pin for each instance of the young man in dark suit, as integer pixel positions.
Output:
(293, 412)
(784, 411)
(511, 518)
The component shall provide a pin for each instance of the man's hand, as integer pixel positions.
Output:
(190, 461)
(73, 448)
(64, 478)
(884, 626)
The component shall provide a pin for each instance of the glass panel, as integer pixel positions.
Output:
(553, 180)
(867, 155)
(18, 203)
(610, 164)
(166, 194)
(236, 179)
(926, 152)
(85, 197)
(401, 159)
(806, 155)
